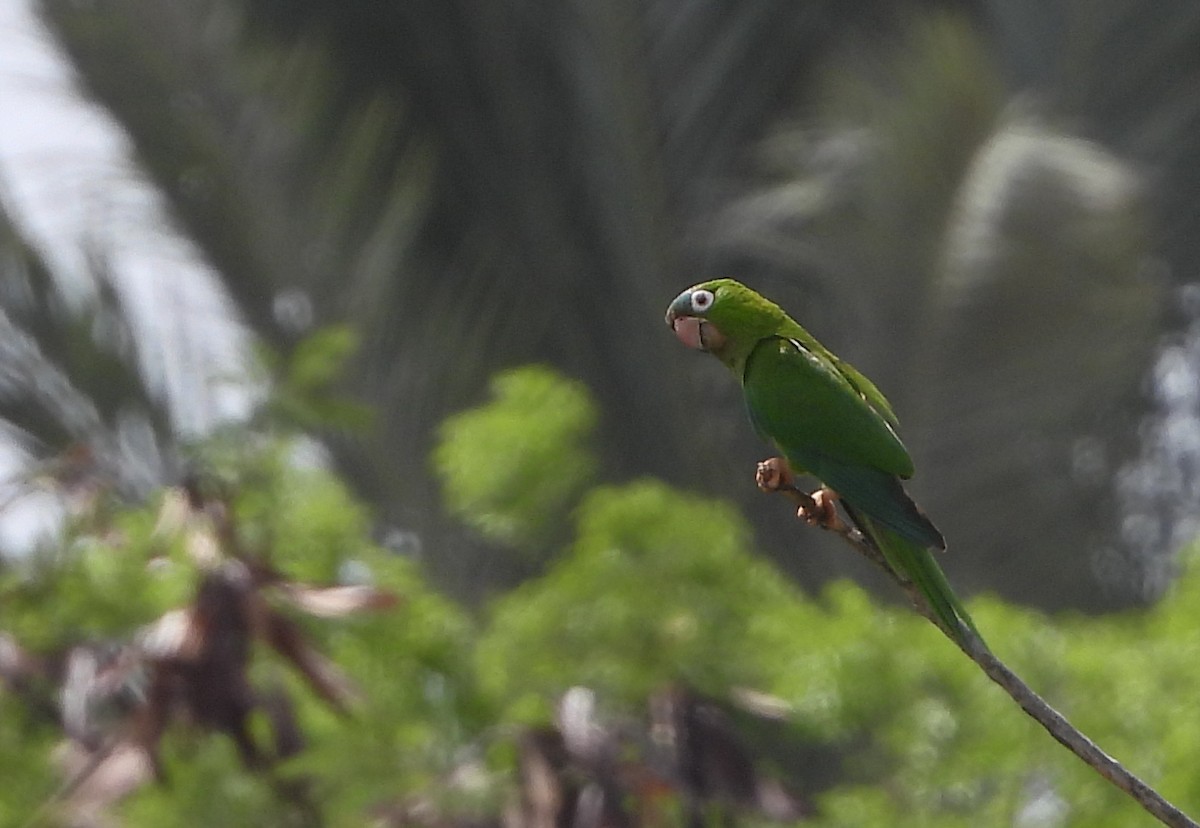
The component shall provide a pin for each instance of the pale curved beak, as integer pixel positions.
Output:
(690, 331)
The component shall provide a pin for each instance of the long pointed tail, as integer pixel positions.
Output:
(914, 562)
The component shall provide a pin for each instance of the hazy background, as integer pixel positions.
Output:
(988, 207)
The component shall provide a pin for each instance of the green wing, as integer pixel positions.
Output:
(805, 404)
(802, 402)
(792, 330)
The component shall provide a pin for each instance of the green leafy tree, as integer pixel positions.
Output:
(375, 695)
(658, 587)
(512, 469)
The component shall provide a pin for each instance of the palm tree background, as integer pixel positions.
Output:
(986, 206)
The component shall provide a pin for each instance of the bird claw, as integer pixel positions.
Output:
(816, 509)
(821, 510)
(773, 475)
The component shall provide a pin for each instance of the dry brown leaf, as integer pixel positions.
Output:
(336, 601)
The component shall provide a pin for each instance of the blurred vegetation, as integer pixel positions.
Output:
(430, 580)
(493, 465)
(425, 713)
(983, 205)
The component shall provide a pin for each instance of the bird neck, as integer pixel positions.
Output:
(734, 354)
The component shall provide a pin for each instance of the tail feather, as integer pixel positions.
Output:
(916, 563)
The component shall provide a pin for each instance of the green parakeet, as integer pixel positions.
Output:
(827, 420)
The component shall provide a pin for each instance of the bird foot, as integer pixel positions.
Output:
(773, 475)
(816, 509)
(821, 510)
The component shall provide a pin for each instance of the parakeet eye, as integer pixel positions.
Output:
(701, 300)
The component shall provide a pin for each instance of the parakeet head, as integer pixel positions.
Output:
(725, 318)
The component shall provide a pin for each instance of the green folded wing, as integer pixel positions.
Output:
(874, 397)
(805, 405)
(802, 402)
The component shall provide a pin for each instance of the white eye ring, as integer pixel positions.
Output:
(701, 300)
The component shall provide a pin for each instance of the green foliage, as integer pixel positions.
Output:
(99, 586)
(409, 665)
(928, 741)
(206, 789)
(511, 469)
(306, 393)
(659, 587)
(418, 706)
(27, 738)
